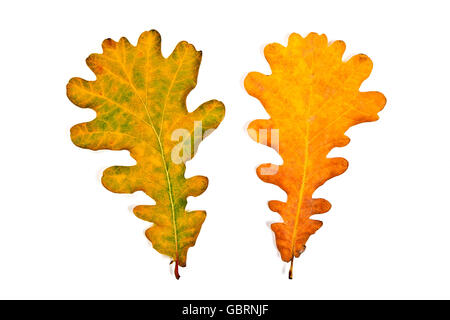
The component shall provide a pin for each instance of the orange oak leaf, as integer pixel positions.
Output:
(312, 97)
(140, 101)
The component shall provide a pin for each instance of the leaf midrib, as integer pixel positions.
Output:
(305, 166)
(162, 153)
(307, 143)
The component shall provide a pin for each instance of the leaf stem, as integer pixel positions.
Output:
(177, 275)
(291, 269)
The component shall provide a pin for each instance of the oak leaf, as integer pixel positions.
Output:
(140, 101)
(312, 97)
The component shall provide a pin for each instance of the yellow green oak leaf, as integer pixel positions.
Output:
(139, 97)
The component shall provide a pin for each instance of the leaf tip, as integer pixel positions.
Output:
(108, 43)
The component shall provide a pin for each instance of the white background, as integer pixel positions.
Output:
(62, 235)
